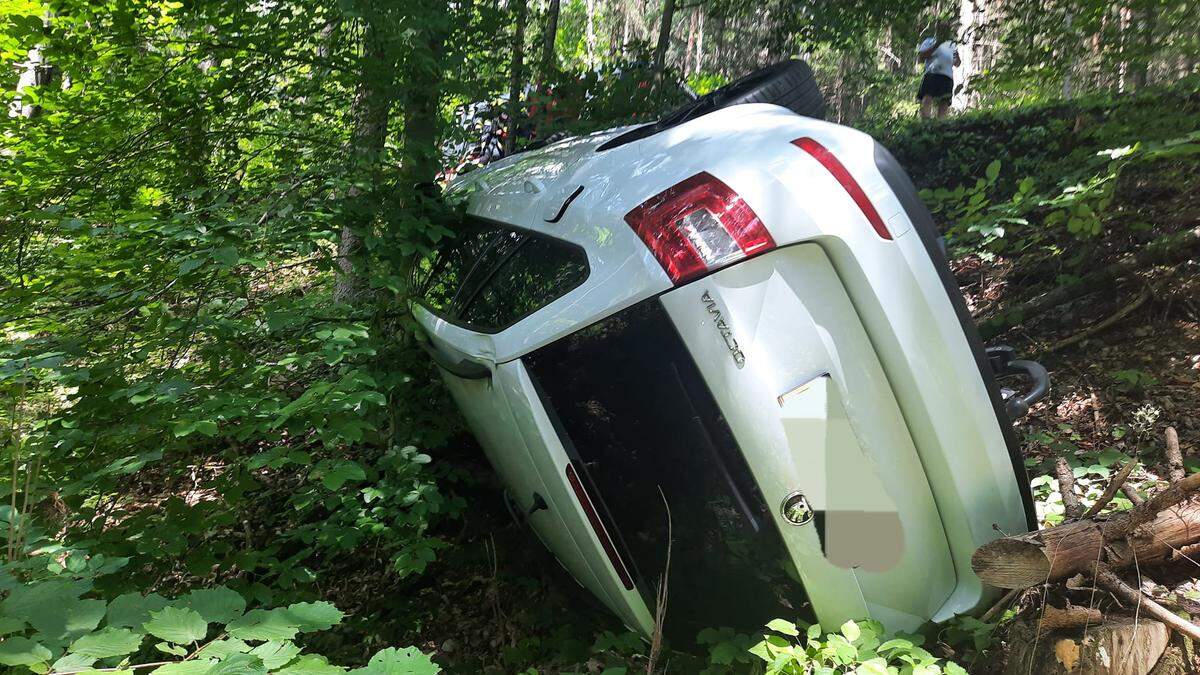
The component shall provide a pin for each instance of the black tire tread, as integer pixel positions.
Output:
(790, 84)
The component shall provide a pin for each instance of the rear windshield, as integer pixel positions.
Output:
(488, 277)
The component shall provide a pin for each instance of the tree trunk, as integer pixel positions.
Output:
(521, 7)
(1068, 85)
(970, 20)
(699, 67)
(549, 60)
(691, 44)
(590, 36)
(664, 35)
(372, 104)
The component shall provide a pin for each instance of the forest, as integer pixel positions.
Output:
(224, 449)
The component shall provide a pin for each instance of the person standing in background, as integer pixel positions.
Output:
(937, 86)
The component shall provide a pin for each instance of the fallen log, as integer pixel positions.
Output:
(1147, 534)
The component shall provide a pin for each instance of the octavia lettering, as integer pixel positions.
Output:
(723, 328)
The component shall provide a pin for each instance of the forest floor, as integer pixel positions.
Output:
(496, 601)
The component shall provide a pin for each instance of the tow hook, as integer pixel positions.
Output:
(1003, 362)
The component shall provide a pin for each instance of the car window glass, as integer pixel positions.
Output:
(452, 262)
(490, 277)
(501, 245)
(540, 271)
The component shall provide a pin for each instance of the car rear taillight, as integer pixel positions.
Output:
(698, 226)
(598, 527)
(835, 167)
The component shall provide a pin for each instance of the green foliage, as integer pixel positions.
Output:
(976, 221)
(726, 648)
(57, 620)
(1132, 380)
(859, 647)
(1090, 468)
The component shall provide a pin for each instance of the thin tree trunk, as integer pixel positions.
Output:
(969, 22)
(549, 60)
(521, 7)
(664, 35)
(691, 43)
(370, 109)
(590, 41)
(699, 68)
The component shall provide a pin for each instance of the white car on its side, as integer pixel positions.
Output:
(724, 352)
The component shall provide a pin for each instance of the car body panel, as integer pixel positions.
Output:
(813, 412)
(921, 361)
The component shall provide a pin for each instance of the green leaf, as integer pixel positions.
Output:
(168, 648)
(19, 651)
(108, 642)
(311, 664)
(723, 654)
(181, 626)
(315, 616)
(219, 649)
(239, 664)
(993, 170)
(874, 666)
(73, 662)
(11, 624)
(193, 667)
(54, 608)
(276, 654)
(851, 631)
(953, 668)
(264, 624)
(226, 255)
(216, 605)
(131, 610)
(333, 475)
(899, 644)
(392, 661)
(783, 626)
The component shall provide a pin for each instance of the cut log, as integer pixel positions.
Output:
(1023, 561)
(1119, 646)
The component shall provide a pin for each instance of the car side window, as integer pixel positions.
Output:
(489, 277)
(446, 270)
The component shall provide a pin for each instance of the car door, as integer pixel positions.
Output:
(488, 281)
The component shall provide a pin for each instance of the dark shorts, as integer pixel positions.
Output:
(940, 87)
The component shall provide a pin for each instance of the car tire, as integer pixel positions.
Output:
(789, 84)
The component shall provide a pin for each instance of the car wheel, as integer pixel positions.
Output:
(788, 83)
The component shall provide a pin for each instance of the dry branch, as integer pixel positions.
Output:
(1174, 456)
(1097, 328)
(1110, 582)
(1117, 482)
(1066, 486)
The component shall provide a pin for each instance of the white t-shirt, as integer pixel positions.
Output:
(941, 62)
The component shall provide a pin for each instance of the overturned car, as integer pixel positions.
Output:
(723, 354)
